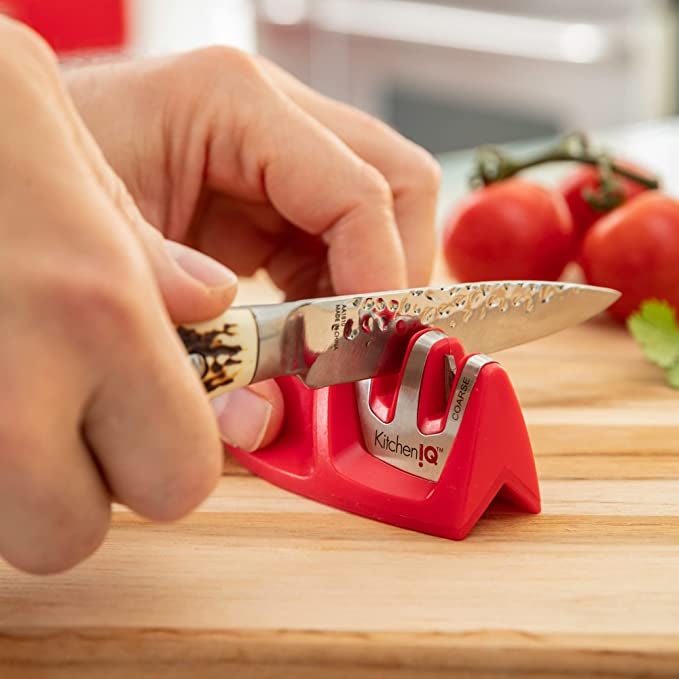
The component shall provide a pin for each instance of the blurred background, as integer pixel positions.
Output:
(449, 74)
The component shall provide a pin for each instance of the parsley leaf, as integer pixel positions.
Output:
(673, 375)
(655, 328)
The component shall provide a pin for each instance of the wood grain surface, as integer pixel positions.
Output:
(261, 583)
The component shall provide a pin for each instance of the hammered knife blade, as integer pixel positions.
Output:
(352, 337)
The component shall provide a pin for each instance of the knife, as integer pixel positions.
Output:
(348, 338)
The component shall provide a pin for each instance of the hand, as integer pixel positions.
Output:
(98, 399)
(228, 153)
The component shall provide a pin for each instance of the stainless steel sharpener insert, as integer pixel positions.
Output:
(400, 443)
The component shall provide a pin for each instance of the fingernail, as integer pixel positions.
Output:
(243, 417)
(201, 267)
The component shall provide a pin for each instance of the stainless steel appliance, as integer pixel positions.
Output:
(458, 73)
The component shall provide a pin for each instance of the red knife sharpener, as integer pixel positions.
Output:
(428, 449)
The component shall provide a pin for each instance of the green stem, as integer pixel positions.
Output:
(492, 165)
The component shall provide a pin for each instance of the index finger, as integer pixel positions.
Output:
(316, 182)
(412, 173)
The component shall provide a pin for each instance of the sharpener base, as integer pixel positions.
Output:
(327, 450)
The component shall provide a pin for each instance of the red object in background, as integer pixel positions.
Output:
(512, 229)
(72, 26)
(587, 178)
(320, 453)
(635, 249)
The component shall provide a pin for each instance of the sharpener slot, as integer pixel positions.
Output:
(400, 443)
(451, 371)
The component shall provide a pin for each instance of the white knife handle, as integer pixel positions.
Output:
(223, 350)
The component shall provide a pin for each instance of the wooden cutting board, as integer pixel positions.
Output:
(260, 582)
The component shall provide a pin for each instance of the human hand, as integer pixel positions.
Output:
(98, 399)
(228, 153)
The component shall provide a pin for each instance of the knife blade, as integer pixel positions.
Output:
(352, 337)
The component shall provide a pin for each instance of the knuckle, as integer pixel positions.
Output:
(422, 168)
(374, 127)
(374, 186)
(66, 548)
(60, 531)
(426, 172)
(215, 61)
(177, 491)
(103, 296)
(110, 306)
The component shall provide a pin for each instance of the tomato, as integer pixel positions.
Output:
(635, 249)
(513, 229)
(586, 178)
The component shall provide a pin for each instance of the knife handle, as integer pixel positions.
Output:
(223, 350)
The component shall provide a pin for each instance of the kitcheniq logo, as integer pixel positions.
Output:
(423, 454)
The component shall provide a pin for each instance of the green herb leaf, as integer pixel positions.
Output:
(655, 328)
(673, 375)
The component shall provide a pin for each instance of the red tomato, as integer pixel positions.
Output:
(635, 249)
(586, 178)
(509, 230)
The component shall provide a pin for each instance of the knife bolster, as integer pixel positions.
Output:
(275, 343)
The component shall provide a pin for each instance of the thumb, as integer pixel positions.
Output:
(192, 284)
(252, 417)
(194, 287)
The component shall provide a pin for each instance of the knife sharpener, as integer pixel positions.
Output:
(426, 449)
